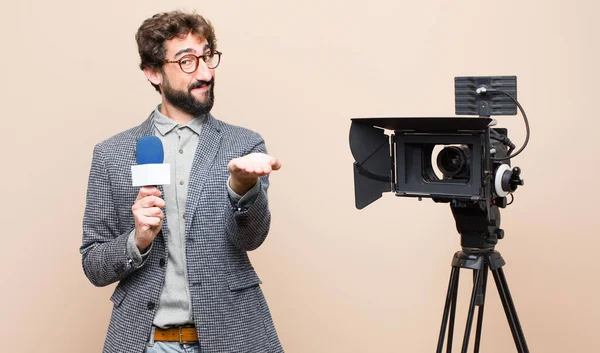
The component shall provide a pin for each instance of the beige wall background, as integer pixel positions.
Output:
(337, 279)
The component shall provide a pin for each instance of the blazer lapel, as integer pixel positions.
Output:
(208, 146)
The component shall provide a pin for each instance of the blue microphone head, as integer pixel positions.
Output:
(149, 150)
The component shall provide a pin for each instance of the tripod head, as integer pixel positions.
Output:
(479, 227)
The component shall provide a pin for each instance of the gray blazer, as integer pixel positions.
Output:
(230, 311)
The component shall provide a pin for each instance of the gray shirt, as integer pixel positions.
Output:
(180, 143)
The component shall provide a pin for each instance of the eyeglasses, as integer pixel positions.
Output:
(189, 62)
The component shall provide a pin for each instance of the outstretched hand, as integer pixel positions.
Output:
(246, 170)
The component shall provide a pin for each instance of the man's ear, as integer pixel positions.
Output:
(154, 76)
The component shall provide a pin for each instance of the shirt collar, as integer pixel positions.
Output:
(164, 125)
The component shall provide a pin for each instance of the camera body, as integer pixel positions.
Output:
(463, 161)
(450, 160)
(405, 161)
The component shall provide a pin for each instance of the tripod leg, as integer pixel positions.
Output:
(452, 287)
(480, 311)
(510, 310)
(453, 313)
(471, 311)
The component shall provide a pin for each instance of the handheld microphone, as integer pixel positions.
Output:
(150, 169)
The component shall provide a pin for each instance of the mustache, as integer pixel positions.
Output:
(200, 84)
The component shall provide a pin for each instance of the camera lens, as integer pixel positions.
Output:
(453, 161)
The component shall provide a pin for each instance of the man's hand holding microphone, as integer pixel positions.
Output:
(148, 216)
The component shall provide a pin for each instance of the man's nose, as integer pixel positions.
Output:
(203, 73)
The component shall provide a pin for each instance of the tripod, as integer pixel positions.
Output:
(479, 260)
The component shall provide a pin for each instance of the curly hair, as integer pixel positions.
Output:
(154, 31)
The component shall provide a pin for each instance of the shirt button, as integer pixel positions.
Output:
(161, 263)
(181, 182)
(181, 151)
(151, 306)
(183, 215)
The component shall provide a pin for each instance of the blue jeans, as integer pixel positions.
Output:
(170, 347)
(173, 347)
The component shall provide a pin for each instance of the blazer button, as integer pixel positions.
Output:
(161, 263)
(151, 306)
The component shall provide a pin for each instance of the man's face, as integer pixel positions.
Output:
(193, 92)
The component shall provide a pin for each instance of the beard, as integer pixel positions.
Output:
(186, 102)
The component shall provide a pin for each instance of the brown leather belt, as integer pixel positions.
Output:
(176, 334)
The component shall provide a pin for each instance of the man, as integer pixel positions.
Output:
(178, 251)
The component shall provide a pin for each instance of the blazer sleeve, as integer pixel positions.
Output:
(104, 248)
(247, 227)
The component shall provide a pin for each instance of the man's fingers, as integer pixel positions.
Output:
(275, 164)
(149, 191)
(254, 164)
(151, 201)
(151, 212)
(151, 221)
(160, 203)
(146, 191)
(236, 165)
(257, 169)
